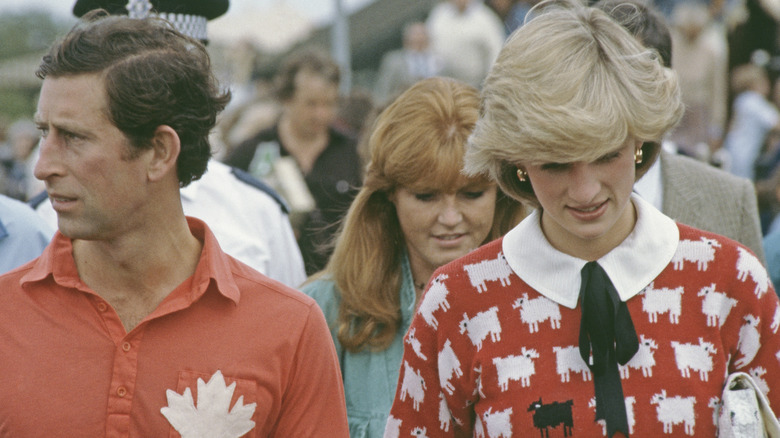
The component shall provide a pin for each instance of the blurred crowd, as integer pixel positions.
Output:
(726, 54)
(278, 126)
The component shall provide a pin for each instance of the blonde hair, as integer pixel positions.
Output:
(417, 141)
(570, 85)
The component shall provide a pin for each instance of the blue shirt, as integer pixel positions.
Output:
(370, 377)
(23, 235)
(772, 250)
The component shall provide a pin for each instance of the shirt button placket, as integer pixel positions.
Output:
(123, 383)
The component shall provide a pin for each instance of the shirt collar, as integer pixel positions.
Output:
(57, 261)
(408, 293)
(631, 266)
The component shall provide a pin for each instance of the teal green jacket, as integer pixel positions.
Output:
(370, 377)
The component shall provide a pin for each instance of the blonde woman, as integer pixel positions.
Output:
(414, 213)
(597, 315)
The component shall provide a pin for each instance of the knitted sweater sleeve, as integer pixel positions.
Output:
(436, 386)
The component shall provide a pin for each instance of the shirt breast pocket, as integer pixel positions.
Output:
(213, 405)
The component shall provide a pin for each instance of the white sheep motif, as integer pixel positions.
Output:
(537, 310)
(775, 320)
(445, 418)
(696, 357)
(757, 374)
(498, 424)
(415, 343)
(749, 340)
(568, 359)
(630, 401)
(749, 266)
(420, 432)
(489, 270)
(643, 359)
(412, 385)
(392, 427)
(663, 300)
(449, 365)
(435, 298)
(700, 252)
(716, 305)
(479, 429)
(515, 367)
(675, 410)
(715, 404)
(482, 324)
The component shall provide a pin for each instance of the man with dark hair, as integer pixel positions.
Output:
(685, 189)
(307, 87)
(249, 219)
(134, 322)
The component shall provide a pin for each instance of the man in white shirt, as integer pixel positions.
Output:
(467, 36)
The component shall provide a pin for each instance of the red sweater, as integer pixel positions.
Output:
(498, 359)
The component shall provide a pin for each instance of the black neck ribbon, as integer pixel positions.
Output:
(607, 337)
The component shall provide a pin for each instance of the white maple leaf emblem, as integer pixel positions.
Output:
(212, 418)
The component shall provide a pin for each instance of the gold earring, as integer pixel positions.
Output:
(638, 156)
(522, 175)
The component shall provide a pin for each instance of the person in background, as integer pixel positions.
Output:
(133, 319)
(594, 314)
(511, 12)
(754, 118)
(467, 36)
(16, 173)
(249, 218)
(325, 158)
(701, 61)
(685, 189)
(772, 248)
(23, 235)
(414, 213)
(402, 68)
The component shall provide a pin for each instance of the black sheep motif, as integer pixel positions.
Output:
(551, 415)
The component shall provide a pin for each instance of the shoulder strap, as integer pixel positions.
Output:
(247, 178)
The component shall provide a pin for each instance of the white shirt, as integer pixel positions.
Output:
(631, 266)
(248, 223)
(651, 186)
(467, 42)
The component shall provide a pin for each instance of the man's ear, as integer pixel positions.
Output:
(166, 147)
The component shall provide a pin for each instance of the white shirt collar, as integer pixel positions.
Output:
(651, 185)
(631, 266)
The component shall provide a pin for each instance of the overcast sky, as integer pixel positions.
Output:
(317, 10)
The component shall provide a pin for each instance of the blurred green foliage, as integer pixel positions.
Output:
(24, 38)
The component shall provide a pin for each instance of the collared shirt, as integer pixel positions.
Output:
(557, 275)
(227, 348)
(23, 235)
(651, 185)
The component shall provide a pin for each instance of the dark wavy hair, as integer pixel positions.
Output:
(153, 75)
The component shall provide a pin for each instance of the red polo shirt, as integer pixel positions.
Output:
(68, 367)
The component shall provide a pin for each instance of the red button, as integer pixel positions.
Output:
(102, 306)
